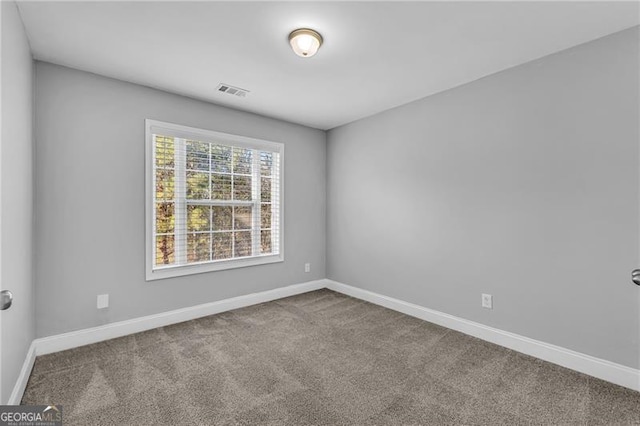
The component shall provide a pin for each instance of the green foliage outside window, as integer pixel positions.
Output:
(212, 173)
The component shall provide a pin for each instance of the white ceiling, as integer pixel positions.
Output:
(376, 55)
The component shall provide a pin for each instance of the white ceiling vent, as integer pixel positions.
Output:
(232, 90)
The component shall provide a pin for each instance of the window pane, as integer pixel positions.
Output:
(221, 158)
(197, 155)
(265, 242)
(242, 241)
(198, 218)
(242, 160)
(242, 188)
(220, 187)
(265, 190)
(222, 204)
(164, 185)
(164, 151)
(242, 217)
(222, 245)
(165, 250)
(198, 247)
(197, 186)
(266, 163)
(222, 218)
(265, 216)
(165, 218)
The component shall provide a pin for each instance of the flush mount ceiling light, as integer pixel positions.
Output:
(305, 42)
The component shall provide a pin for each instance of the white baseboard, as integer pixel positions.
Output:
(23, 378)
(596, 367)
(87, 336)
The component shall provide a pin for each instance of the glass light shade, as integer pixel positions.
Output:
(305, 42)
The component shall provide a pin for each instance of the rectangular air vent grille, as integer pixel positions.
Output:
(232, 90)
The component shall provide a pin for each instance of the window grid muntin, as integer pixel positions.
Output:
(180, 162)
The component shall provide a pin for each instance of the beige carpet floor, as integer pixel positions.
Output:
(319, 358)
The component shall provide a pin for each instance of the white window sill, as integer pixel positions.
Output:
(182, 270)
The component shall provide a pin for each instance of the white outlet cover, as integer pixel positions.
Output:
(307, 267)
(103, 301)
(487, 301)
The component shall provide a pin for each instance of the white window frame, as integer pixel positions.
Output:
(184, 132)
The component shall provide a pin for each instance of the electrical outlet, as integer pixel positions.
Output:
(103, 301)
(307, 267)
(487, 301)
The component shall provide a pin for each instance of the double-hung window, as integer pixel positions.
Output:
(214, 200)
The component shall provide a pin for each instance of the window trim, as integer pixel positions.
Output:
(186, 132)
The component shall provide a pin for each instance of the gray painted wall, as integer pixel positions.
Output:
(17, 327)
(523, 184)
(90, 201)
